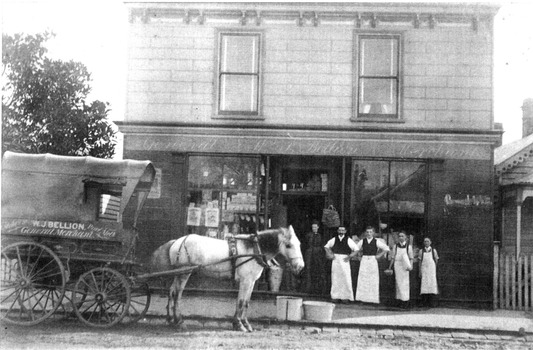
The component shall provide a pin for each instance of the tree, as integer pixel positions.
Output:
(44, 107)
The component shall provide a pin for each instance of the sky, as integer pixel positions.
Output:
(94, 32)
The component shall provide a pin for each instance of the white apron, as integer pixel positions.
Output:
(368, 280)
(402, 265)
(341, 278)
(429, 274)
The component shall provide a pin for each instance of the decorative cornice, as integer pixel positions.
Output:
(513, 161)
(416, 16)
(463, 135)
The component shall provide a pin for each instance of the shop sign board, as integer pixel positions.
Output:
(396, 148)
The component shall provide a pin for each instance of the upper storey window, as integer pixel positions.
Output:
(378, 76)
(239, 74)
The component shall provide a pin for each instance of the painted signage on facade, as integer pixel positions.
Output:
(468, 200)
(75, 230)
(304, 146)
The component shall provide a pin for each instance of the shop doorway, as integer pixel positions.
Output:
(302, 210)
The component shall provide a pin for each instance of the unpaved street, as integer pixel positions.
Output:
(155, 334)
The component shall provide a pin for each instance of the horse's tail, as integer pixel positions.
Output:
(160, 260)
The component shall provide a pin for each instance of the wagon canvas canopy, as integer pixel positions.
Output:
(66, 188)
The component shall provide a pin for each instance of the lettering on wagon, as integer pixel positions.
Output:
(58, 229)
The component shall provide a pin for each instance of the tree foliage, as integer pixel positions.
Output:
(44, 107)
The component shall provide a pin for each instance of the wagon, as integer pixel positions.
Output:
(69, 236)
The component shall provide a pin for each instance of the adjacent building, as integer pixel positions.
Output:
(260, 115)
(513, 164)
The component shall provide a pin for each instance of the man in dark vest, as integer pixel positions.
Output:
(342, 248)
(368, 278)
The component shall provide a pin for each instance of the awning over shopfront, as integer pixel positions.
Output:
(413, 145)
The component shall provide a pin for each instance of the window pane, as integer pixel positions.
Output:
(205, 172)
(407, 197)
(390, 201)
(379, 57)
(240, 173)
(238, 93)
(239, 53)
(371, 180)
(408, 188)
(377, 96)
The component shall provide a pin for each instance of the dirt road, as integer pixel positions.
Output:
(155, 334)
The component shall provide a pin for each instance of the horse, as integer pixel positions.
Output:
(243, 260)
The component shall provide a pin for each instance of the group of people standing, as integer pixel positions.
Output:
(341, 249)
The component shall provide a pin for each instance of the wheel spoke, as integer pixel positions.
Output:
(15, 290)
(32, 283)
(42, 273)
(15, 300)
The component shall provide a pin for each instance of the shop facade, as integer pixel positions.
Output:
(315, 120)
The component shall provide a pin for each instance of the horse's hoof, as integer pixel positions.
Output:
(239, 327)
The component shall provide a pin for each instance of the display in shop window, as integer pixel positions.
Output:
(304, 180)
(211, 217)
(193, 216)
(226, 190)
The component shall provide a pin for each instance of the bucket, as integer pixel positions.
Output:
(275, 276)
(318, 311)
(289, 308)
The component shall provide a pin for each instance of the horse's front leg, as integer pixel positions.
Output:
(246, 305)
(242, 304)
(240, 322)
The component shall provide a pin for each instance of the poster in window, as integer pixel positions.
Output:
(211, 217)
(193, 216)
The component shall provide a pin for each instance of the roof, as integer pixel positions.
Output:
(52, 187)
(88, 167)
(526, 180)
(508, 156)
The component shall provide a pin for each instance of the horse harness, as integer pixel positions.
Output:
(259, 257)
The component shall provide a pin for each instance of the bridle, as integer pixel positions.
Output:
(290, 258)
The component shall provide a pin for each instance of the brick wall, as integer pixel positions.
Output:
(308, 74)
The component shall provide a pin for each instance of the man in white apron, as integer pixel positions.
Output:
(428, 258)
(368, 279)
(402, 259)
(343, 249)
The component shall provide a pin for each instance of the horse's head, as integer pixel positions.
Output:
(289, 247)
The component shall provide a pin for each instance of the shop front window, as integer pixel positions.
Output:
(223, 195)
(391, 197)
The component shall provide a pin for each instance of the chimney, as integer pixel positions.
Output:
(527, 117)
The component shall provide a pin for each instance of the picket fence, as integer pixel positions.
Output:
(512, 281)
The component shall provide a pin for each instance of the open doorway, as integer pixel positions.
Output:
(302, 209)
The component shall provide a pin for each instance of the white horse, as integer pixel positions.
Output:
(213, 258)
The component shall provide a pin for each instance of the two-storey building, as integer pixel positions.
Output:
(262, 114)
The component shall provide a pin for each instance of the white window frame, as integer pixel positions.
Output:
(248, 115)
(368, 117)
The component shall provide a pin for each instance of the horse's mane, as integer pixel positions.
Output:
(268, 240)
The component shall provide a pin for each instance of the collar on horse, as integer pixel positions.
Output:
(258, 255)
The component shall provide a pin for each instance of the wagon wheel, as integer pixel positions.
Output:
(32, 280)
(101, 297)
(139, 303)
